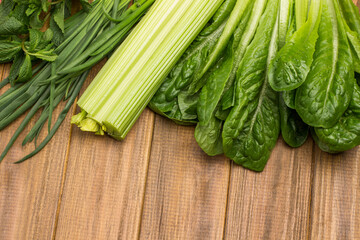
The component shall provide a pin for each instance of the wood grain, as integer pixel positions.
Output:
(105, 184)
(273, 204)
(335, 208)
(186, 190)
(29, 191)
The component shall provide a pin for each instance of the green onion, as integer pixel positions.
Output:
(127, 82)
(89, 37)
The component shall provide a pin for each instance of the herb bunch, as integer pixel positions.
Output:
(22, 40)
(89, 36)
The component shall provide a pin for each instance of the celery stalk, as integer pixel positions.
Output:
(127, 82)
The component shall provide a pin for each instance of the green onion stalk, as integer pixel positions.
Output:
(89, 38)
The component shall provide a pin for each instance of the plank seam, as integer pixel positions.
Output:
(63, 177)
(313, 172)
(147, 173)
(2, 71)
(227, 199)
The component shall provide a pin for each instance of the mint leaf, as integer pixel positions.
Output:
(35, 38)
(48, 35)
(32, 8)
(12, 26)
(25, 72)
(19, 13)
(14, 23)
(8, 50)
(15, 67)
(5, 8)
(59, 15)
(46, 55)
(35, 21)
(45, 5)
(58, 35)
(85, 5)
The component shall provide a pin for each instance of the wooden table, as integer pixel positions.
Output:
(158, 184)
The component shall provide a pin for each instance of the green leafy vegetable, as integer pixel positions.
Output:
(327, 91)
(59, 15)
(8, 50)
(15, 21)
(252, 128)
(189, 68)
(208, 130)
(345, 134)
(351, 14)
(291, 65)
(25, 72)
(289, 98)
(210, 107)
(293, 130)
(15, 67)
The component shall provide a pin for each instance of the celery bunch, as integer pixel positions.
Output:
(125, 85)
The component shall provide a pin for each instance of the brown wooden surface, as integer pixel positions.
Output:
(158, 184)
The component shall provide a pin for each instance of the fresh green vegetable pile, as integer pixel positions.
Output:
(85, 38)
(21, 40)
(255, 69)
(268, 66)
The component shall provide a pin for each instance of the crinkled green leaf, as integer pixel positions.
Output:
(327, 91)
(58, 35)
(12, 26)
(59, 16)
(35, 38)
(345, 134)
(185, 71)
(289, 69)
(85, 5)
(208, 130)
(46, 55)
(19, 13)
(45, 5)
(289, 98)
(35, 21)
(293, 130)
(354, 41)
(15, 67)
(8, 50)
(241, 40)
(25, 72)
(5, 8)
(16, 22)
(188, 105)
(32, 8)
(351, 14)
(48, 35)
(253, 125)
(208, 136)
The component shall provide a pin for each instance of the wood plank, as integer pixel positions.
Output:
(29, 191)
(335, 207)
(105, 184)
(273, 204)
(186, 190)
